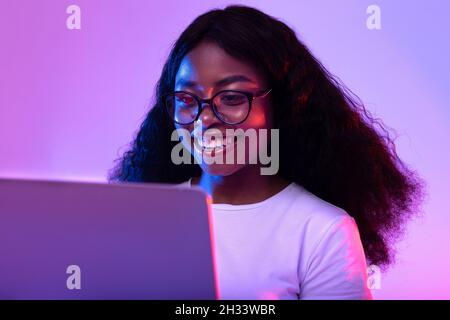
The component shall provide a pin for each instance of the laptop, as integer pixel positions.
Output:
(78, 240)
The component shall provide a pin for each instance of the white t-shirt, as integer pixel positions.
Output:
(292, 245)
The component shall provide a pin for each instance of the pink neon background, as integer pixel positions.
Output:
(69, 99)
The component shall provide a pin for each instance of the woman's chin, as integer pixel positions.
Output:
(217, 169)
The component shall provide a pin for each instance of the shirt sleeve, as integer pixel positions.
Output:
(337, 267)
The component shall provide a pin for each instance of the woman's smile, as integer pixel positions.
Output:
(212, 145)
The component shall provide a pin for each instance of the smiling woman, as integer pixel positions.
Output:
(341, 194)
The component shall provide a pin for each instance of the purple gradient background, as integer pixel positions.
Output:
(70, 100)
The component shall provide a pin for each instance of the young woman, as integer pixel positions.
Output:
(341, 194)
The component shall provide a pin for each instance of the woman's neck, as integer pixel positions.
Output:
(243, 187)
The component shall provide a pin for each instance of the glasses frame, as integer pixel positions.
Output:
(250, 96)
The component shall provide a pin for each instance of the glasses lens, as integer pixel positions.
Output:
(182, 107)
(232, 107)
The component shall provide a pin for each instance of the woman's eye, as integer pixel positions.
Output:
(233, 99)
(187, 100)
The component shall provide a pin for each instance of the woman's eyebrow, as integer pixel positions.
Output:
(234, 78)
(186, 83)
(220, 83)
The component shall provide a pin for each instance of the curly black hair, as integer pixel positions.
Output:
(329, 143)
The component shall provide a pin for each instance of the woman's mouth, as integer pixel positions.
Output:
(214, 145)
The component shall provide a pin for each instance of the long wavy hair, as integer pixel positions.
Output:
(329, 143)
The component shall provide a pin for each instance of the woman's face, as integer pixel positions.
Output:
(204, 71)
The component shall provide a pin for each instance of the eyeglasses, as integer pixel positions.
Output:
(229, 106)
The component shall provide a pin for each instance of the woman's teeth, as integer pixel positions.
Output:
(218, 143)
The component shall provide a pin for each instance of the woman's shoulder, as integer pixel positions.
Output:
(314, 209)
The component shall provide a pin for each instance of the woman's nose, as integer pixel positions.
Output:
(207, 115)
